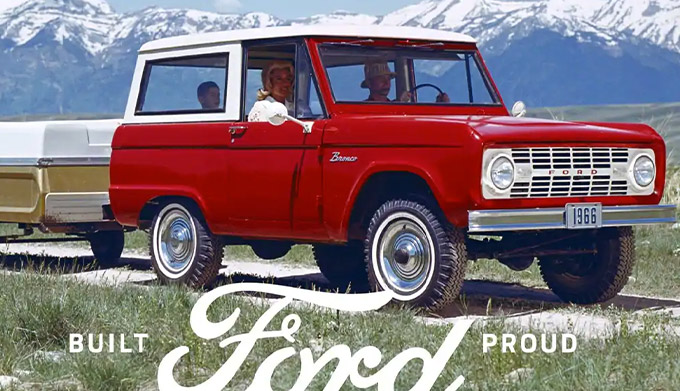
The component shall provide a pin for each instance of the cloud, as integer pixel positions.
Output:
(227, 5)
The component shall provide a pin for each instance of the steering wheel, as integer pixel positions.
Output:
(414, 89)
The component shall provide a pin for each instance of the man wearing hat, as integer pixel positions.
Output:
(378, 79)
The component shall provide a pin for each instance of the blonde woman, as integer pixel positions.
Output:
(277, 86)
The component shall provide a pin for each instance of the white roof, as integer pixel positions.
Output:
(371, 31)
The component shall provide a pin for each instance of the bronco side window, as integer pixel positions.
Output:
(281, 73)
(270, 75)
(184, 85)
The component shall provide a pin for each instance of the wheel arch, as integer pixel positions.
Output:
(152, 206)
(377, 185)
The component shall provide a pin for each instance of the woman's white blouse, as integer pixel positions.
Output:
(258, 113)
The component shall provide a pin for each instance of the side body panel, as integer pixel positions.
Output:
(251, 184)
(154, 160)
(274, 181)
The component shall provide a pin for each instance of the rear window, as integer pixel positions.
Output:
(184, 85)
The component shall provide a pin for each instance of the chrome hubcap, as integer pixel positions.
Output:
(177, 243)
(404, 255)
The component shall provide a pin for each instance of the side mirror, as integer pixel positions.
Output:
(519, 109)
(276, 113)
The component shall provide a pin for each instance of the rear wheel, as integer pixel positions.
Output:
(342, 265)
(588, 279)
(182, 248)
(415, 254)
(107, 247)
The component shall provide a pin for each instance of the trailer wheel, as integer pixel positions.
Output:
(589, 279)
(415, 254)
(107, 247)
(183, 250)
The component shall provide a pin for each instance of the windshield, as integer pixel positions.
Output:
(406, 76)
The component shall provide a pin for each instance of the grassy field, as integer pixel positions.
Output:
(42, 321)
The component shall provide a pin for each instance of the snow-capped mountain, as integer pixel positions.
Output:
(78, 55)
(98, 28)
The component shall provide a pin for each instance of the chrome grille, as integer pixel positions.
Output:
(567, 172)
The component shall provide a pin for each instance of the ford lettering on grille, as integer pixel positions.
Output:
(567, 172)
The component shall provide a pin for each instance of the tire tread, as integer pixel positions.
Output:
(450, 275)
(612, 280)
(209, 253)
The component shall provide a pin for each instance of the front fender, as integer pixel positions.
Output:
(443, 169)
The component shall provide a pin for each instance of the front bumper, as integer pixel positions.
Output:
(499, 220)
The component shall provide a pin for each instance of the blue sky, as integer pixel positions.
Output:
(280, 8)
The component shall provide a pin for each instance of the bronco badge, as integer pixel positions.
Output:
(337, 158)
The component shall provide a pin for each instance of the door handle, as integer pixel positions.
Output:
(237, 130)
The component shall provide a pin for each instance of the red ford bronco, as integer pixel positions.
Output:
(389, 149)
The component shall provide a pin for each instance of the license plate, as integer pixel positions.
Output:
(581, 216)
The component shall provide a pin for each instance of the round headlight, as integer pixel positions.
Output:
(643, 171)
(502, 173)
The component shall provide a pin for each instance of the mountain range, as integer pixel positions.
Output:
(77, 56)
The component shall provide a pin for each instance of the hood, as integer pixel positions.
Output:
(465, 131)
(511, 130)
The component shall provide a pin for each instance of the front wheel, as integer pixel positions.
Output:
(182, 248)
(594, 278)
(414, 254)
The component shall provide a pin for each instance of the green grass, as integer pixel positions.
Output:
(39, 312)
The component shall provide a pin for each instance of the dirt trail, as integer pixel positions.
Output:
(528, 308)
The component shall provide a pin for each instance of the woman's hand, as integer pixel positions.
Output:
(405, 96)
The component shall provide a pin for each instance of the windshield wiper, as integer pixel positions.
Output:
(351, 43)
(422, 45)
